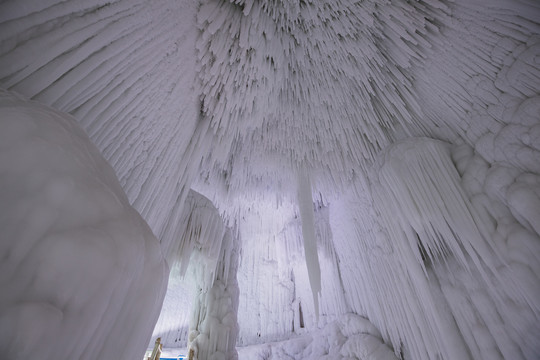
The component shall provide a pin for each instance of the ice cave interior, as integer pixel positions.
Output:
(270, 179)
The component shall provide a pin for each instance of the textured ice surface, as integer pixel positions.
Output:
(463, 280)
(126, 71)
(79, 265)
(349, 337)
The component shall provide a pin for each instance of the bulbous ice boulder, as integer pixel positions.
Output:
(81, 274)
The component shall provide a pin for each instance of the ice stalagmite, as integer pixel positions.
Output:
(305, 204)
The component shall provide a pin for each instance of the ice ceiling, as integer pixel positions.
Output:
(300, 163)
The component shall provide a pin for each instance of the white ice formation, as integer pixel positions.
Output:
(351, 337)
(305, 206)
(55, 305)
(380, 158)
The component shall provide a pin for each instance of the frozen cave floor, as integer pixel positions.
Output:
(349, 337)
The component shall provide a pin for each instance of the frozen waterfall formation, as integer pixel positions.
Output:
(300, 165)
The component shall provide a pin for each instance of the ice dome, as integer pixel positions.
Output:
(270, 179)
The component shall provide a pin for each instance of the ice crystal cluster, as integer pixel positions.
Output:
(303, 164)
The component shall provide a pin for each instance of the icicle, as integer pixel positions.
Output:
(305, 204)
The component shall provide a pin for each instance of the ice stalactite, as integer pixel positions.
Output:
(305, 204)
(83, 276)
(323, 84)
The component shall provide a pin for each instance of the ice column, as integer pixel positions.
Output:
(305, 204)
(207, 255)
(214, 327)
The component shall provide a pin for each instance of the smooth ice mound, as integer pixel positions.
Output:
(79, 265)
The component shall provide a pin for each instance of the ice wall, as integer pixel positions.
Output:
(436, 241)
(80, 267)
(276, 299)
(512, 302)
